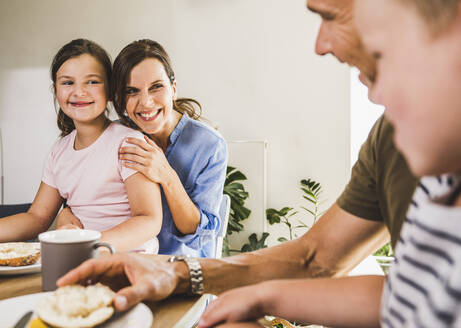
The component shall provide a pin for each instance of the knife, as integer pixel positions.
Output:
(23, 321)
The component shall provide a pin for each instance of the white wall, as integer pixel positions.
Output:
(250, 63)
(250, 156)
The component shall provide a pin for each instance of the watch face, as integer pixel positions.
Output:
(172, 259)
(176, 258)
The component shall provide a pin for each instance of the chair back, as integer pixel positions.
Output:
(224, 211)
(2, 179)
(7, 210)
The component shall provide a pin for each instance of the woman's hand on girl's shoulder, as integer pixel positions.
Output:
(147, 158)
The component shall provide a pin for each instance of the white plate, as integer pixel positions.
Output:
(12, 309)
(33, 268)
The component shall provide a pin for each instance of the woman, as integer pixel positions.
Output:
(186, 157)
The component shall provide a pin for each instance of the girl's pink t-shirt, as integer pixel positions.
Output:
(92, 179)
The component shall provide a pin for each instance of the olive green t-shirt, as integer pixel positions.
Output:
(381, 185)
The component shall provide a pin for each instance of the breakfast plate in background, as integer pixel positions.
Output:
(12, 310)
(31, 268)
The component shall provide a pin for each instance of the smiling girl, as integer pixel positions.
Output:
(83, 167)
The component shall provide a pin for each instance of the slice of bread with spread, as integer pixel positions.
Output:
(19, 254)
(77, 306)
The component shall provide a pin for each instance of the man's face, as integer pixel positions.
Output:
(339, 37)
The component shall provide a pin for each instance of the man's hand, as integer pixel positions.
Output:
(136, 277)
(67, 220)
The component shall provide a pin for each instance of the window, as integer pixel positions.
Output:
(363, 114)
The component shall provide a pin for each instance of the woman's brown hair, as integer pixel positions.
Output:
(70, 50)
(132, 55)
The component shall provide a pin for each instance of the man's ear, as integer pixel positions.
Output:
(175, 90)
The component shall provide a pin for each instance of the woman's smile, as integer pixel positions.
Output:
(149, 115)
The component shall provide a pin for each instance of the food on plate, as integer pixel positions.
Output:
(281, 323)
(19, 254)
(37, 323)
(77, 306)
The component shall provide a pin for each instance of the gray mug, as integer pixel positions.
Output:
(63, 250)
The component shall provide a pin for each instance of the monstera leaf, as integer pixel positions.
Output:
(255, 243)
(238, 195)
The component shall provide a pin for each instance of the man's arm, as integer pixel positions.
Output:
(332, 247)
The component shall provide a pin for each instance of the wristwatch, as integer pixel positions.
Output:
(195, 272)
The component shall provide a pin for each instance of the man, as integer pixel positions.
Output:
(373, 205)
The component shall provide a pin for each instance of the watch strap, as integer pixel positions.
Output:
(195, 273)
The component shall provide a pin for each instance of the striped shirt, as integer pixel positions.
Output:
(423, 288)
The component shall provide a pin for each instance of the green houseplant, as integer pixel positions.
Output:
(236, 191)
(234, 187)
(311, 193)
(238, 212)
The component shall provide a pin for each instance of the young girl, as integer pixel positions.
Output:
(418, 50)
(83, 167)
